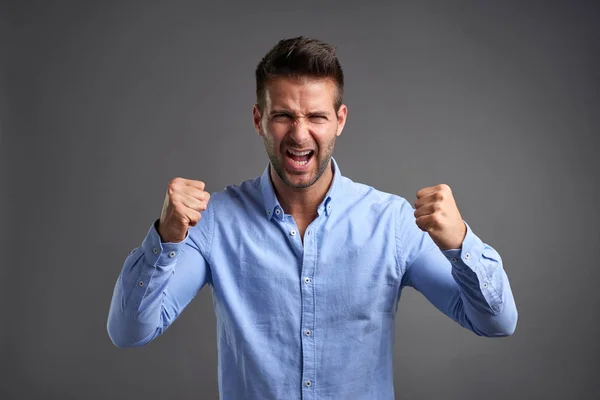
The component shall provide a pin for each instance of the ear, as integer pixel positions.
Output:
(256, 119)
(341, 118)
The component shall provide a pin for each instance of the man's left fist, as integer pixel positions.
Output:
(436, 213)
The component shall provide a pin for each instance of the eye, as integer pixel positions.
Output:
(281, 117)
(318, 118)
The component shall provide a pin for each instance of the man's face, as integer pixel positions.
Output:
(299, 125)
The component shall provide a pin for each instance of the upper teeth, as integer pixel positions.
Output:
(299, 153)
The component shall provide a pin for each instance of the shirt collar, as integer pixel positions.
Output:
(271, 203)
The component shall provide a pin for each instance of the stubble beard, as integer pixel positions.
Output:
(278, 167)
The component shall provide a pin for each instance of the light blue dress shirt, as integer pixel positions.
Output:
(312, 320)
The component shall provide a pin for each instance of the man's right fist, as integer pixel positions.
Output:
(184, 200)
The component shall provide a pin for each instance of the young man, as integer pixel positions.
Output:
(306, 266)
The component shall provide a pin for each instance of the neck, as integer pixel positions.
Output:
(302, 201)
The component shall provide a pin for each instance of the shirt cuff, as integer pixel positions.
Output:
(467, 261)
(470, 247)
(160, 253)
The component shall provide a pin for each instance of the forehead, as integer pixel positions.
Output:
(300, 94)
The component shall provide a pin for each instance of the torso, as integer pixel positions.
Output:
(302, 222)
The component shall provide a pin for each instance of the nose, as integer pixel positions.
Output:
(300, 130)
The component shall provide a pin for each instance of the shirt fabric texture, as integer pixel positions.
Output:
(312, 320)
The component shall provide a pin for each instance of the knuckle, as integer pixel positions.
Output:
(180, 208)
(175, 199)
(173, 185)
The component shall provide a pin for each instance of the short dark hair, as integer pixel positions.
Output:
(299, 58)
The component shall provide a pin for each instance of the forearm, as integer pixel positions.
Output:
(137, 312)
(485, 303)
(484, 322)
(468, 284)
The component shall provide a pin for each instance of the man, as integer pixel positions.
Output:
(306, 266)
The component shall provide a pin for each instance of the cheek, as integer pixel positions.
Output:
(274, 127)
(325, 134)
(273, 136)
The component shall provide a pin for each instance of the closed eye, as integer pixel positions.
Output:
(318, 117)
(281, 117)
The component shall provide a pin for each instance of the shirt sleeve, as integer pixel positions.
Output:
(468, 284)
(157, 281)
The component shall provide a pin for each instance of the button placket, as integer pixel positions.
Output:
(308, 306)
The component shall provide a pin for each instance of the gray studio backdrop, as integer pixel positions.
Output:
(102, 103)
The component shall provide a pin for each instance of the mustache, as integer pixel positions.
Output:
(295, 145)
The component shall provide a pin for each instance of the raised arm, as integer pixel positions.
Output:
(467, 283)
(161, 276)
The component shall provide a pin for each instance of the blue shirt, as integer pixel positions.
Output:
(312, 320)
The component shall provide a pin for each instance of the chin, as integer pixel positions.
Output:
(300, 181)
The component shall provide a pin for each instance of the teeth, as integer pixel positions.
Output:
(299, 153)
(300, 162)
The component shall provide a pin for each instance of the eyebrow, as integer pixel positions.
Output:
(287, 112)
(281, 111)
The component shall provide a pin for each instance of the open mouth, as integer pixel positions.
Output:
(300, 158)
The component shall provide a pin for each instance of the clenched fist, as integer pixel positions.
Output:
(184, 200)
(437, 214)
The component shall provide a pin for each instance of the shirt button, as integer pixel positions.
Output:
(277, 211)
(155, 250)
(141, 283)
(467, 256)
(307, 383)
(485, 284)
(307, 332)
(293, 232)
(454, 259)
(307, 280)
(172, 254)
(308, 233)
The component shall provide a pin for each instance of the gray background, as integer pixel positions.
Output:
(101, 104)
